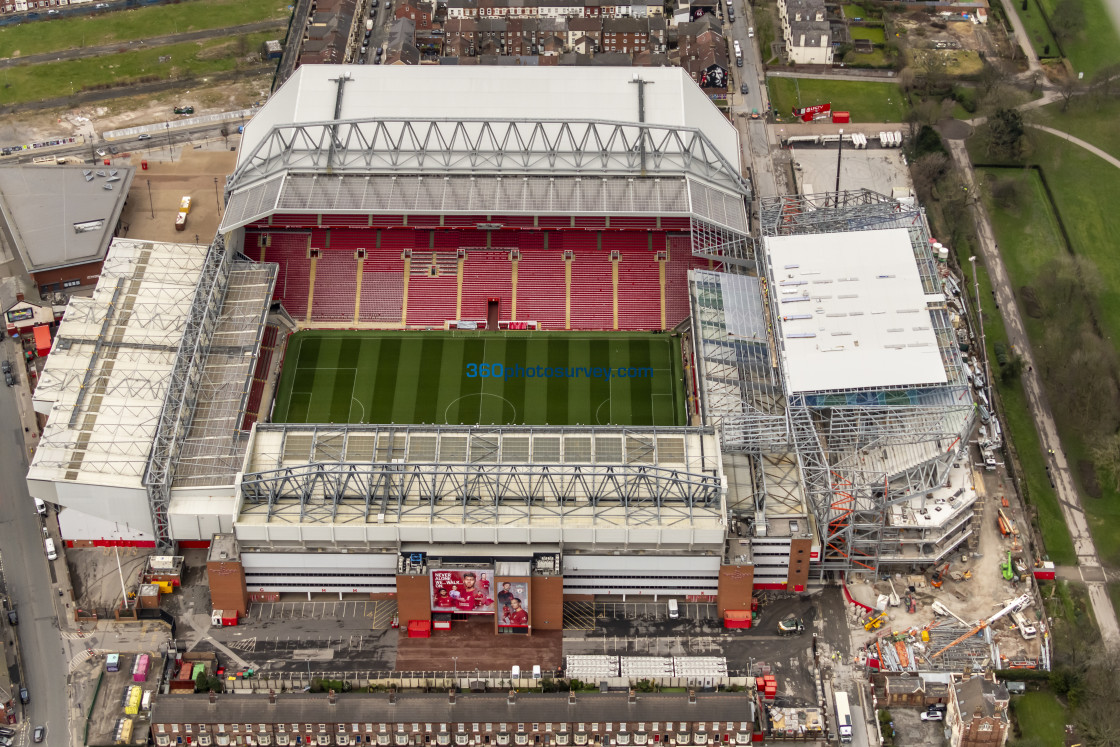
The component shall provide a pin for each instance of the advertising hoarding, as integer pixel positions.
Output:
(468, 591)
(513, 603)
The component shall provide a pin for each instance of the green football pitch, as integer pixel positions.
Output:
(478, 378)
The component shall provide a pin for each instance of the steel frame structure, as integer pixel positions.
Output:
(485, 146)
(859, 451)
(183, 384)
(483, 476)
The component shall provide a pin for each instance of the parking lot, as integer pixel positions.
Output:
(590, 615)
(377, 614)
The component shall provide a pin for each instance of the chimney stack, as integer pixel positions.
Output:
(272, 697)
(19, 297)
(632, 697)
(330, 697)
(691, 696)
(213, 698)
(512, 699)
(451, 696)
(571, 697)
(392, 696)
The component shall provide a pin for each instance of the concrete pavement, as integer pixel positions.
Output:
(1078, 141)
(1069, 500)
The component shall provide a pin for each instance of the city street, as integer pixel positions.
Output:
(29, 580)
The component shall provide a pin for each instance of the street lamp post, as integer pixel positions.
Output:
(455, 662)
(170, 152)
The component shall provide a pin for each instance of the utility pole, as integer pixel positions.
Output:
(151, 205)
(839, 152)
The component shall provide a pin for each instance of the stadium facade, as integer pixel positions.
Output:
(568, 199)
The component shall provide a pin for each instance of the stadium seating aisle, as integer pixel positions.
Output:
(540, 288)
(486, 275)
(592, 291)
(336, 286)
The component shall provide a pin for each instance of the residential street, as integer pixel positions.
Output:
(29, 578)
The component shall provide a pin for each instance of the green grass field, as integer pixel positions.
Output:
(138, 23)
(867, 101)
(1037, 30)
(414, 378)
(1041, 718)
(51, 79)
(1097, 45)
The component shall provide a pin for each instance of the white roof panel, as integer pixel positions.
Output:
(493, 93)
(851, 311)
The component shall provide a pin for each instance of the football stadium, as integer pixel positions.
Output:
(520, 329)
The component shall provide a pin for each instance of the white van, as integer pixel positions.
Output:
(40, 507)
(674, 611)
(515, 672)
(49, 544)
(750, 32)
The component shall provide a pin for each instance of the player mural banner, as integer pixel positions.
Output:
(513, 604)
(464, 591)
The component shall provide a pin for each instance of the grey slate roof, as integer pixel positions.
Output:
(435, 708)
(40, 206)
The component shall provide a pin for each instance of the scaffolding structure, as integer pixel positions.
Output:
(859, 450)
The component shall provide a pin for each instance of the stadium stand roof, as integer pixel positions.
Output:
(852, 312)
(60, 216)
(105, 383)
(460, 476)
(383, 142)
(423, 92)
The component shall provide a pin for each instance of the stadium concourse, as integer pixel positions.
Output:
(557, 221)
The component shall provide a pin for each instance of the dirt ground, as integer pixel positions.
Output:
(192, 173)
(922, 34)
(976, 598)
(129, 111)
(475, 645)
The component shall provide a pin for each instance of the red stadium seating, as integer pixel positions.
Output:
(336, 285)
(639, 291)
(487, 270)
(260, 376)
(431, 299)
(592, 291)
(486, 275)
(289, 250)
(540, 288)
(382, 288)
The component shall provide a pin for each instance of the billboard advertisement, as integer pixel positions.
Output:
(21, 315)
(466, 591)
(812, 110)
(513, 603)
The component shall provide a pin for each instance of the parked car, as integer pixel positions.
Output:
(184, 110)
(143, 136)
(933, 716)
(13, 617)
(8, 379)
(6, 732)
(38, 734)
(743, 88)
(24, 696)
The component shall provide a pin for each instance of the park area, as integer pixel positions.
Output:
(867, 101)
(1054, 222)
(481, 378)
